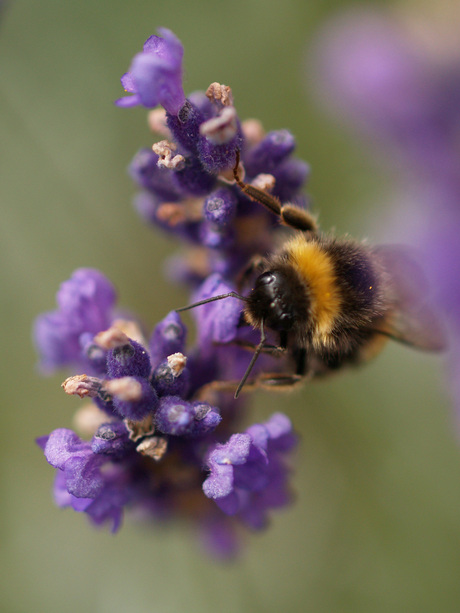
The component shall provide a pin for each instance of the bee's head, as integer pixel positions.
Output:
(279, 299)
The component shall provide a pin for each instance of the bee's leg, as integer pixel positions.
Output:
(278, 381)
(206, 392)
(274, 350)
(270, 381)
(289, 214)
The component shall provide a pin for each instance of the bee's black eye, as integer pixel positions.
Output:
(267, 278)
(270, 301)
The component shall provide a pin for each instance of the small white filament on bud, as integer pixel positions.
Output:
(88, 418)
(82, 385)
(165, 149)
(218, 92)
(253, 131)
(176, 363)
(154, 447)
(139, 429)
(131, 329)
(221, 129)
(111, 338)
(174, 213)
(264, 181)
(156, 120)
(124, 388)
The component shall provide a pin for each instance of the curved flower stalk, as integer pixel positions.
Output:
(159, 434)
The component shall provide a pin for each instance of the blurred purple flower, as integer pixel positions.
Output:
(85, 307)
(370, 72)
(374, 75)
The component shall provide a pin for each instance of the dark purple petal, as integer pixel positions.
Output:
(193, 179)
(215, 237)
(229, 504)
(174, 416)
(185, 125)
(168, 337)
(266, 156)
(167, 383)
(290, 177)
(218, 157)
(112, 439)
(220, 207)
(139, 407)
(109, 506)
(206, 418)
(130, 360)
(144, 170)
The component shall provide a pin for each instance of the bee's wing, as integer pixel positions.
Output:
(412, 318)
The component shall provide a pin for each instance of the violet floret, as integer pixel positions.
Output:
(155, 75)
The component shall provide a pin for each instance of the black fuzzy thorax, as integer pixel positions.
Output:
(279, 298)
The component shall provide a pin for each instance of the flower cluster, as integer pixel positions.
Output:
(159, 433)
(186, 179)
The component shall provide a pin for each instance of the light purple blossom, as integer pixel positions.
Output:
(85, 307)
(247, 474)
(155, 75)
(377, 77)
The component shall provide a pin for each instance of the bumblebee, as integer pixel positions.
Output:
(331, 301)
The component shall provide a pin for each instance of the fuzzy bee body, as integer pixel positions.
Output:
(324, 295)
(332, 301)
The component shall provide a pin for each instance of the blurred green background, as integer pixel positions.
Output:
(376, 523)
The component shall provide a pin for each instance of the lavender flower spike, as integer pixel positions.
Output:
(161, 431)
(155, 75)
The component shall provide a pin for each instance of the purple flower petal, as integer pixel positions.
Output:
(85, 304)
(155, 75)
(61, 445)
(217, 321)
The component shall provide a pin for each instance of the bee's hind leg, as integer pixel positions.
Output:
(289, 214)
(269, 381)
(278, 381)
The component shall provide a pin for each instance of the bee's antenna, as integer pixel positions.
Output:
(253, 360)
(220, 297)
